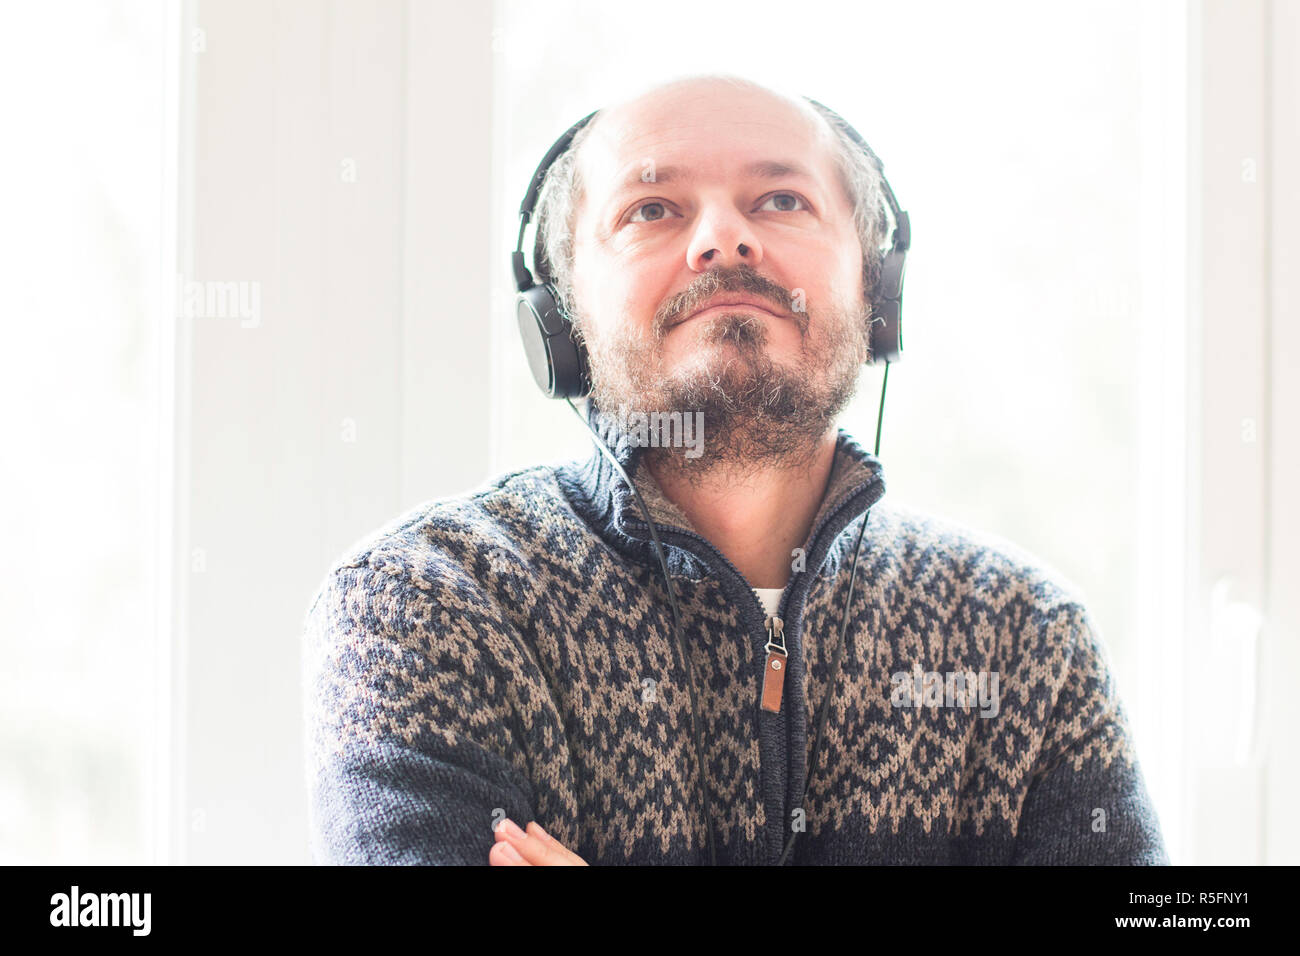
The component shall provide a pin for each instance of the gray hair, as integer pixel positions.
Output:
(562, 190)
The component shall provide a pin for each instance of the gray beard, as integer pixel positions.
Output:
(756, 413)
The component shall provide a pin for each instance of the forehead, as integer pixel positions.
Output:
(706, 135)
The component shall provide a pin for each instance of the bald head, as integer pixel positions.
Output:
(652, 120)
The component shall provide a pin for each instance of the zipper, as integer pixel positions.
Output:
(774, 667)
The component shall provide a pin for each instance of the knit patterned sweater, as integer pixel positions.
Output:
(510, 652)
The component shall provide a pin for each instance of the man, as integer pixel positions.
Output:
(494, 678)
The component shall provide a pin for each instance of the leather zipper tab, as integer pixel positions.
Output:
(774, 667)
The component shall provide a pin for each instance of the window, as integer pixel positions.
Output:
(85, 242)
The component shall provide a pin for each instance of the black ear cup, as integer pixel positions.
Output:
(887, 314)
(558, 362)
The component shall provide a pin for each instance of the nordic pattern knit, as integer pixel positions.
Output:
(510, 652)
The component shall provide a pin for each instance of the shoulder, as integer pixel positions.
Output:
(960, 561)
(437, 546)
(433, 590)
(1010, 603)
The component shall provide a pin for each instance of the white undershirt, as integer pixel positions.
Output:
(770, 598)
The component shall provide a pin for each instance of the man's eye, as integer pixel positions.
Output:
(787, 202)
(649, 212)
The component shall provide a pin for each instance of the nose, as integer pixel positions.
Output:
(723, 237)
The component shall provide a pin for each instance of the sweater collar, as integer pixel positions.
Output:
(599, 493)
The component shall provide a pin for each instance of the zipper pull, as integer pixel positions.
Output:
(774, 668)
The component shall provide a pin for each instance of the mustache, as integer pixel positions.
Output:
(742, 278)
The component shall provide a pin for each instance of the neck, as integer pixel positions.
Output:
(756, 517)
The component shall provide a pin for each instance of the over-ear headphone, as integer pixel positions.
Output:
(559, 361)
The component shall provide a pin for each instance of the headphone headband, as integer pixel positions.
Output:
(524, 278)
(559, 362)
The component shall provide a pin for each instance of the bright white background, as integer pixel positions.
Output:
(1101, 353)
